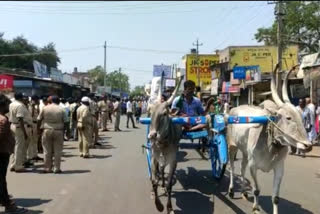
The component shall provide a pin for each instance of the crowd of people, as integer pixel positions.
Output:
(30, 126)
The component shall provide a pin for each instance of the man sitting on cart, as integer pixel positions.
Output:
(188, 105)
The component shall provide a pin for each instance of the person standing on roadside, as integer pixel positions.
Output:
(312, 134)
(117, 112)
(73, 122)
(306, 119)
(103, 109)
(63, 104)
(84, 127)
(53, 118)
(28, 127)
(16, 117)
(130, 113)
(7, 142)
(34, 108)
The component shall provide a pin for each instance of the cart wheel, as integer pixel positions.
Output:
(218, 168)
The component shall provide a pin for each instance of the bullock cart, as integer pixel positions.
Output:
(218, 148)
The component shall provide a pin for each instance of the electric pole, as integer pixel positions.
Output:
(279, 13)
(197, 60)
(105, 66)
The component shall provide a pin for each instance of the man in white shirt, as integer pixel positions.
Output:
(130, 114)
(312, 134)
(117, 112)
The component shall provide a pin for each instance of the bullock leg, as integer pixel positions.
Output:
(155, 180)
(173, 166)
(277, 178)
(162, 178)
(232, 151)
(244, 164)
(256, 189)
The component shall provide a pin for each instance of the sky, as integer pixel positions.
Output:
(138, 34)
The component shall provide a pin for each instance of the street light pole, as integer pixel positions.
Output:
(197, 60)
(279, 14)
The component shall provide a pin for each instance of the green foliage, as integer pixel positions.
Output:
(301, 26)
(20, 45)
(137, 91)
(115, 79)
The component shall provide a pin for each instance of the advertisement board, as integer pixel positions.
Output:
(228, 88)
(40, 69)
(264, 56)
(56, 75)
(6, 82)
(200, 63)
(158, 69)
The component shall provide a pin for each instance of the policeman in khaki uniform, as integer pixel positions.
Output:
(93, 106)
(85, 126)
(28, 127)
(53, 117)
(104, 110)
(34, 109)
(17, 112)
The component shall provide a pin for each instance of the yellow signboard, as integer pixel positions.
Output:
(201, 64)
(264, 56)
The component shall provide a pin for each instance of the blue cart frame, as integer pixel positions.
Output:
(218, 148)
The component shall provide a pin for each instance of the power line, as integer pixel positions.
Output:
(110, 12)
(148, 50)
(86, 7)
(241, 26)
(50, 52)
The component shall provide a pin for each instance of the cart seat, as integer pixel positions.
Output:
(195, 135)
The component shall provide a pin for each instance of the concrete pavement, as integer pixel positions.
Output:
(115, 181)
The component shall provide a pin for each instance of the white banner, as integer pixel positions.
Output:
(214, 86)
(170, 83)
(40, 69)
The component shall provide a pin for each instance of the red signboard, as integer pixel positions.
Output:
(6, 82)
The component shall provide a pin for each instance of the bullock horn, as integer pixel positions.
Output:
(274, 91)
(170, 100)
(160, 87)
(285, 95)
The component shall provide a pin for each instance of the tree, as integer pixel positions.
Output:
(301, 26)
(20, 45)
(137, 91)
(116, 79)
(51, 59)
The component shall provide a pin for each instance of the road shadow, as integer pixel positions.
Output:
(100, 156)
(207, 187)
(285, 206)
(30, 202)
(318, 175)
(181, 156)
(77, 171)
(105, 147)
(124, 131)
(69, 155)
(188, 145)
(193, 202)
(68, 147)
(312, 156)
(34, 212)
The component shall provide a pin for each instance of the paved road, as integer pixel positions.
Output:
(115, 181)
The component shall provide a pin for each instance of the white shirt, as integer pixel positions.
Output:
(311, 107)
(115, 105)
(129, 107)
